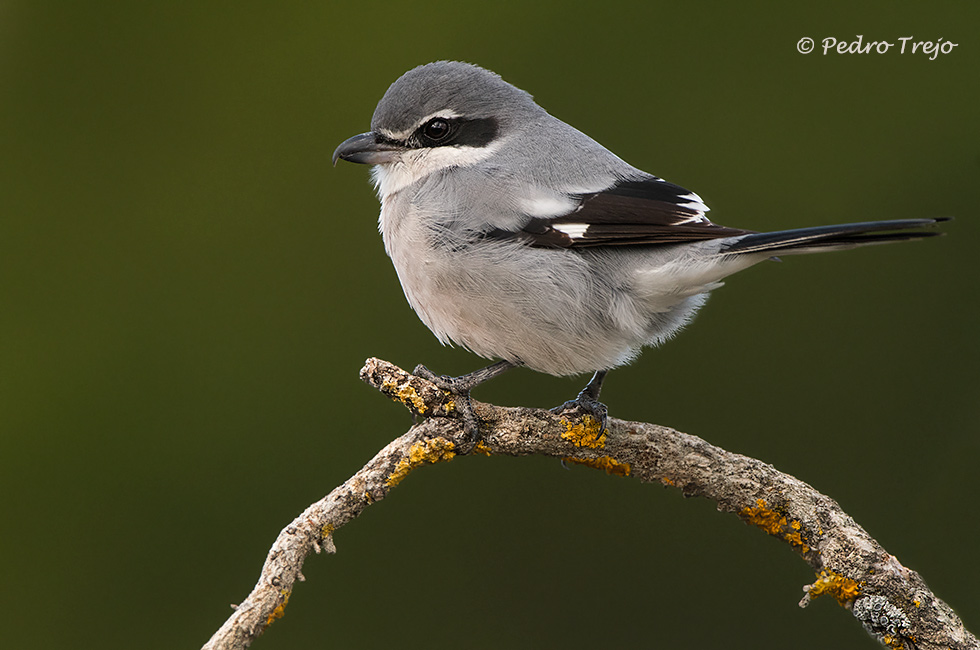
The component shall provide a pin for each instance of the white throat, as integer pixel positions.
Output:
(417, 164)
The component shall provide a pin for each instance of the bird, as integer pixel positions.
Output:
(522, 239)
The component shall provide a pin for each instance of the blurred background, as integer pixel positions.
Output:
(188, 289)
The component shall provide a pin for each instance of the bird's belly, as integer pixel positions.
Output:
(541, 308)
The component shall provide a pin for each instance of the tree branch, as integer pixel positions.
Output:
(892, 602)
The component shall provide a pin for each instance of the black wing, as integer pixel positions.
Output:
(642, 212)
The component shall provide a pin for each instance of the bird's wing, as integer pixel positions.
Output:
(631, 212)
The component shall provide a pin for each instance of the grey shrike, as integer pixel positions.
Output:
(522, 239)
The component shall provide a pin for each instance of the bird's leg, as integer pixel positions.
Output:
(460, 387)
(587, 402)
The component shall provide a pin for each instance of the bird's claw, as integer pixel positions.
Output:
(464, 405)
(581, 406)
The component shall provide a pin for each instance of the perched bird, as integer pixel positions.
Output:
(522, 239)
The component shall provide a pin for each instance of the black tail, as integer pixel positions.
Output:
(848, 235)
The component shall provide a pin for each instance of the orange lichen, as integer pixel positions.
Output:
(796, 537)
(280, 609)
(482, 448)
(588, 433)
(434, 450)
(405, 393)
(775, 524)
(607, 463)
(843, 589)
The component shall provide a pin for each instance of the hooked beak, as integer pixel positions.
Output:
(367, 149)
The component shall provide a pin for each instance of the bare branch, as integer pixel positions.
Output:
(892, 602)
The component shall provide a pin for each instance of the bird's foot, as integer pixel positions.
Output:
(581, 406)
(459, 388)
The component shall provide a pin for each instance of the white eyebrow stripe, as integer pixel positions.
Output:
(402, 135)
(573, 230)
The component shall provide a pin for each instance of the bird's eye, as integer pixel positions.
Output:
(436, 129)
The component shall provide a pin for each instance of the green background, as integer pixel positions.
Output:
(188, 291)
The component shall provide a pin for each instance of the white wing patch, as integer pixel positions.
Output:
(573, 230)
(695, 202)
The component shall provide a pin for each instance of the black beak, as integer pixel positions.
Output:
(367, 149)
